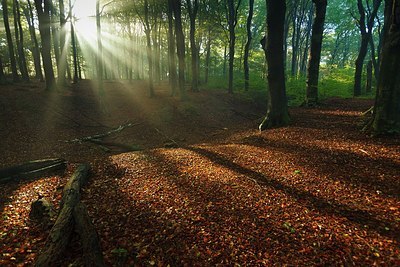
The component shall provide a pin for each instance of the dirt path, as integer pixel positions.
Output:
(316, 193)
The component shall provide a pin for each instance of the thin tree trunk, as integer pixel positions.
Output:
(247, 47)
(9, 41)
(366, 31)
(180, 46)
(35, 50)
(208, 56)
(171, 51)
(44, 28)
(74, 51)
(232, 22)
(368, 85)
(56, 37)
(19, 37)
(99, 55)
(277, 110)
(192, 10)
(147, 31)
(2, 75)
(63, 64)
(315, 52)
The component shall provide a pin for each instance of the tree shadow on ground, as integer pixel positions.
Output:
(308, 199)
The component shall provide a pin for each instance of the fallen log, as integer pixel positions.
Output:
(31, 169)
(72, 216)
(92, 254)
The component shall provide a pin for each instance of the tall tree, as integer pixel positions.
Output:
(19, 38)
(180, 46)
(28, 11)
(247, 47)
(315, 52)
(386, 115)
(277, 109)
(9, 41)
(232, 22)
(74, 48)
(63, 64)
(366, 32)
(43, 10)
(99, 55)
(171, 50)
(193, 7)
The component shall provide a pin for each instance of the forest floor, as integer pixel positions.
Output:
(206, 188)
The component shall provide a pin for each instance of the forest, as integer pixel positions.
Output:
(200, 132)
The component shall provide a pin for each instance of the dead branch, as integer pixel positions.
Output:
(175, 144)
(101, 135)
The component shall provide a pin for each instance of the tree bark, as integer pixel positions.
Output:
(277, 110)
(44, 28)
(386, 115)
(9, 41)
(247, 46)
(315, 52)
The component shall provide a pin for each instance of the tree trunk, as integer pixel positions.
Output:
(171, 51)
(368, 85)
(44, 28)
(99, 58)
(192, 10)
(180, 45)
(208, 57)
(386, 115)
(9, 41)
(366, 31)
(315, 52)
(19, 38)
(35, 50)
(232, 21)
(295, 41)
(247, 47)
(2, 76)
(277, 110)
(74, 51)
(55, 32)
(63, 64)
(147, 31)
